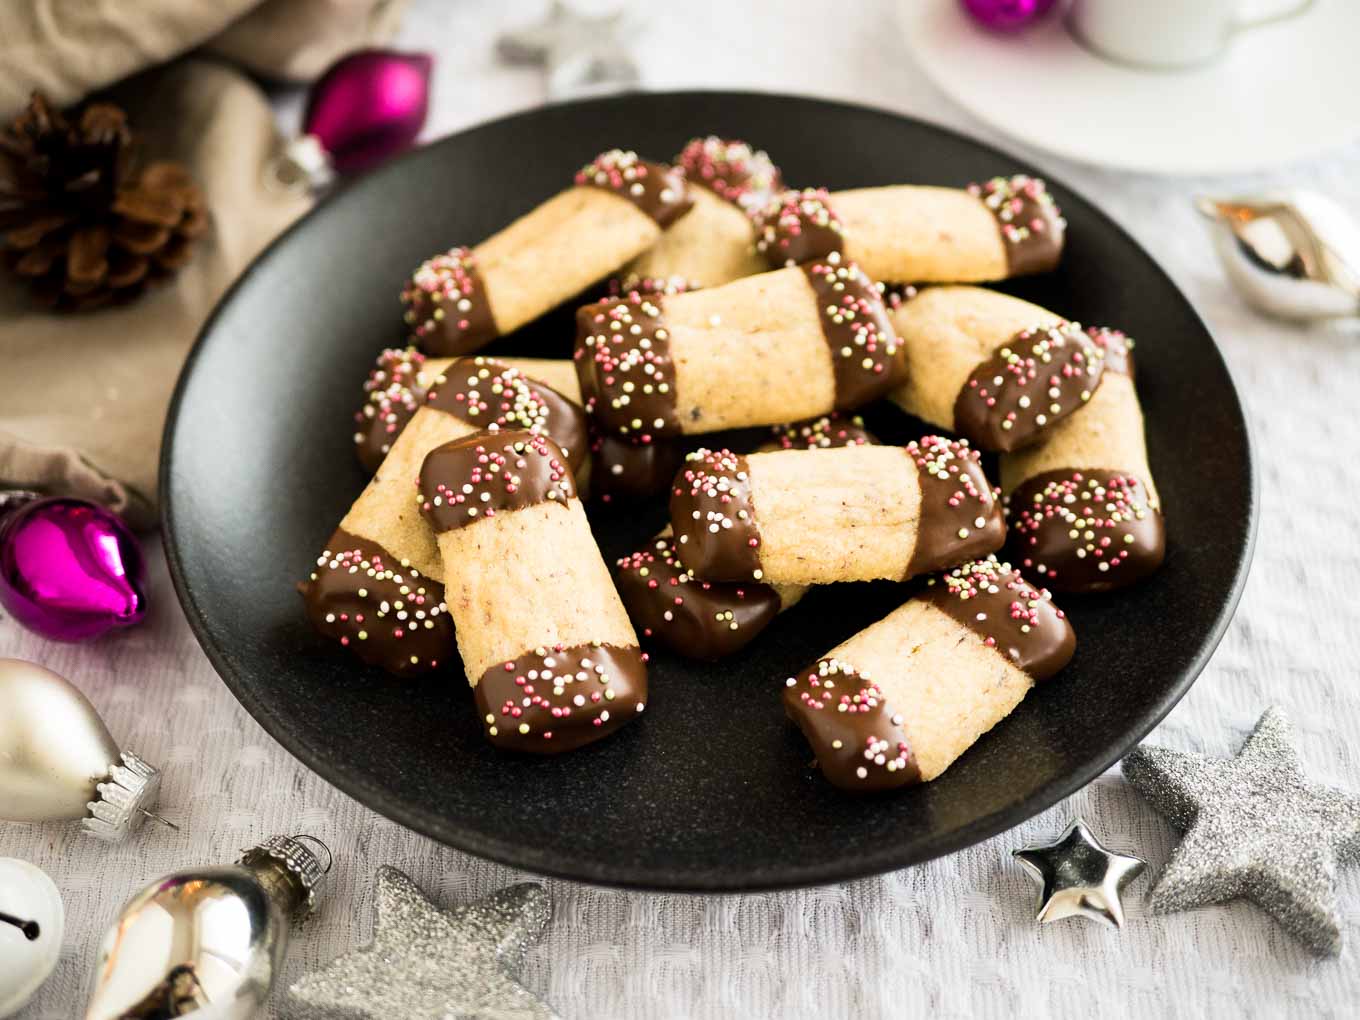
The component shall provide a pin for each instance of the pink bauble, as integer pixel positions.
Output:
(1006, 15)
(369, 106)
(70, 570)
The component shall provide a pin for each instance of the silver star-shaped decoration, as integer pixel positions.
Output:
(428, 963)
(1255, 827)
(1079, 877)
(580, 52)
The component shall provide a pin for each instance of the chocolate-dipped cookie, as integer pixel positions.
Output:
(858, 513)
(1083, 508)
(900, 701)
(546, 644)
(728, 180)
(795, 343)
(393, 392)
(618, 206)
(1001, 372)
(381, 609)
(1008, 226)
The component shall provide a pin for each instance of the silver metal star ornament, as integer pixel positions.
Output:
(1078, 877)
(580, 52)
(1256, 828)
(428, 963)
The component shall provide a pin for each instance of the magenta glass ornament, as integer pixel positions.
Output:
(368, 107)
(1006, 15)
(70, 570)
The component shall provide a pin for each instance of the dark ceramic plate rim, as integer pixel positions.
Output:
(358, 785)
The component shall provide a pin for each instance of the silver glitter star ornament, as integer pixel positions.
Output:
(1255, 828)
(428, 963)
(581, 52)
(1078, 877)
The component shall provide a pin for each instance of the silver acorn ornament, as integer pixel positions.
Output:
(207, 942)
(59, 761)
(1292, 254)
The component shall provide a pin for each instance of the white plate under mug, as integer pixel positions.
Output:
(1278, 94)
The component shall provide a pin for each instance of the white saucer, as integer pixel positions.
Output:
(1281, 93)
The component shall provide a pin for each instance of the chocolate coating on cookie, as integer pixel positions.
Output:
(1011, 615)
(624, 364)
(654, 188)
(447, 307)
(632, 469)
(382, 610)
(551, 700)
(732, 170)
(697, 619)
(1029, 384)
(961, 517)
(1032, 226)
(798, 226)
(857, 736)
(1085, 531)
(829, 432)
(1117, 347)
(393, 393)
(490, 394)
(713, 518)
(867, 357)
(481, 475)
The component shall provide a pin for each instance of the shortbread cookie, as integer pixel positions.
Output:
(999, 371)
(384, 611)
(1083, 508)
(859, 513)
(619, 205)
(715, 242)
(714, 619)
(902, 699)
(400, 380)
(469, 395)
(794, 343)
(545, 641)
(906, 233)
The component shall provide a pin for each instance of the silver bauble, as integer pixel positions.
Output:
(206, 942)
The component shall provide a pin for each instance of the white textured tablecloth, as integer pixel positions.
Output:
(953, 938)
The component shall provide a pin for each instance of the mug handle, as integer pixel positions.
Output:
(1283, 13)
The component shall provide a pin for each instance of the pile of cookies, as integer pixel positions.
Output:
(744, 304)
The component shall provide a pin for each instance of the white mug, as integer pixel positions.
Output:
(1169, 33)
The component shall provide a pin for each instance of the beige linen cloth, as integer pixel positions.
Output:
(83, 397)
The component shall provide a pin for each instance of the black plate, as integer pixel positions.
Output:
(710, 790)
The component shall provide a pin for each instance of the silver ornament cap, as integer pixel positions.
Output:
(296, 864)
(124, 800)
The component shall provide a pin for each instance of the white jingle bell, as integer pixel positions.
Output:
(31, 922)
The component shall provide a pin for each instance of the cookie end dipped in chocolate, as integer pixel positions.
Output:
(867, 358)
(732, 170)
(1086, 531)
(623, 362)
(393, 392)
(447, 308)
(632, 470)
(487, 473)
(1030, 383)
(1031, 224)
(655, 189)
(1020, 621)
(961, 517)
(382, 610)
(551, 700)
(828, 432)
(798, 226)
(706, 620)
(489, 394)
(857, 736)
(713, 518)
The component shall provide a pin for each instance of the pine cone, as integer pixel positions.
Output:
(79, 223)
